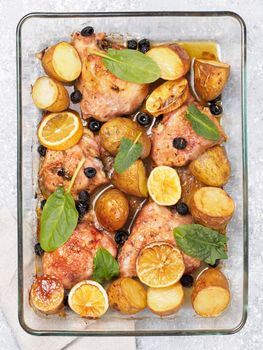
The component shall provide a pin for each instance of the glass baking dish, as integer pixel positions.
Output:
(38, 30)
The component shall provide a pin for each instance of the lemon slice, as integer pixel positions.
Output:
(88, 299)
(159, 265)
(164, 185)
(60, 131)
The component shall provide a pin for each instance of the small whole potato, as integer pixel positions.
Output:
(115, 129)
(112, 209)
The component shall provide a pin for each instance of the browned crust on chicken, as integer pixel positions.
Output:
(104, 95)
(175, 125)
(154, 223)
(73, 262)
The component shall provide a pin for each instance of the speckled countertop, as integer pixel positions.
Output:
(251, 336)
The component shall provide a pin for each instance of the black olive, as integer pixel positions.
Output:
(90, 172)
(65, 301)
(87, 31)
(179, 143)
(144, 45)
(121, 237)
(216, 109)
(76, 96)
(215, 264)
(215, 100)
(182, 208)
(61, 172)
(187, 281)
(38, 250)
(94, 125)
(143, 119)
(42, 150)
(81, 208)
(132, 44)
(84, 197)
(42, 203)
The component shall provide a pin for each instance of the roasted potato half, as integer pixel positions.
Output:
(165, 301)
(112, 209)
(167, 97)
(127, 295)
(62, 62)
(212, 167)
(115, 129)
(212, 207)
(132, 181)
(211, 294)
(210, 78)
(50, 95)
(172, 59)
(46, 294)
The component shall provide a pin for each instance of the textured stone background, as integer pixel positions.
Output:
(251, 336)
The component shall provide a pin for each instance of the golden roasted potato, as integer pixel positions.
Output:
(189, 184)
(127, 295)
(212, 167)
(167, 97)
(50, 95)
(46, 294)
(210, 78)
(62, 62)
(112, 209)
(165, 301)
(115, 129)
(211, 294)
(172, 59)
(212, 207)
(132, 181)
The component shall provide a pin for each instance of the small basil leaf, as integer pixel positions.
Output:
(202, 124)
(131, 65)
(105, 267)
(201, 242)
(128, 153)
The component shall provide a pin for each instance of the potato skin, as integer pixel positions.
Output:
(132, 181)
(167, 97)
(115, 129)
(210, 78)
(124, 302)
(172, 59)
(209, 278)
(212, 168)
(112, 209)
(212, 207)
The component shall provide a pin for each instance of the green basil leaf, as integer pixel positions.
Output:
(58, 220)
(201, 242)
(105, 267)
(202, 124)
(128, 153)
(131, 65)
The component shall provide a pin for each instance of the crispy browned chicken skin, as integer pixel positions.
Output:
(175, 125)
(49, 178)
(154, 223)
(104, 95)
(73, 262)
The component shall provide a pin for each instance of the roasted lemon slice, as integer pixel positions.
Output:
(160, 264)
(88, 299)
(164, 185)
(60, 131)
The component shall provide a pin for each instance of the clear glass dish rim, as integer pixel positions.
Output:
(40, 332)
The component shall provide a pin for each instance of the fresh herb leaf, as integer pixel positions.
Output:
(130, 65)
(202, 124)
(59, 217)
(201, 242)
(105, 267)
(128, 153)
